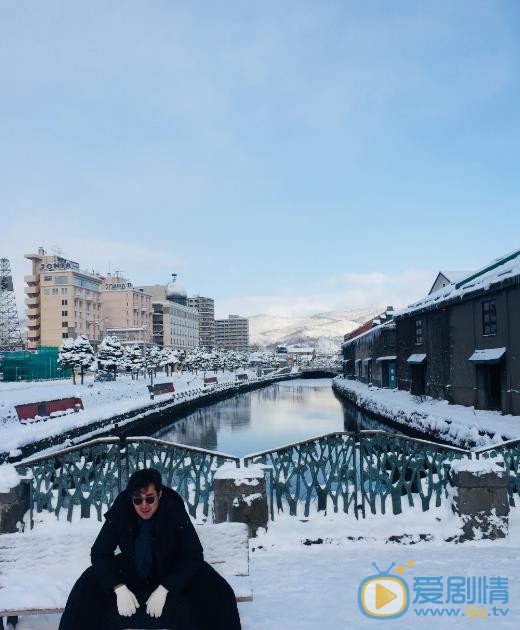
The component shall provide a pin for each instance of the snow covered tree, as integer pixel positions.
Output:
(77, 354)
(169, 358)
(67, 357)
(152, 361)
(110, 353)
(134, 360)
(85, 354)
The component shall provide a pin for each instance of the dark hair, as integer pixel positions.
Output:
(143, 478)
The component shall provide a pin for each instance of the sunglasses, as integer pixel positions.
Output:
(138, 500)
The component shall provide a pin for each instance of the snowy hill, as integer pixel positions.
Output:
(324, 330)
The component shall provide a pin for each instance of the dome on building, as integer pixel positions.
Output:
(176, 293)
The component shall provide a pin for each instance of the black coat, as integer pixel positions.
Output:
(177, 552)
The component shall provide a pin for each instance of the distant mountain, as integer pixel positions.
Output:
(324, 330)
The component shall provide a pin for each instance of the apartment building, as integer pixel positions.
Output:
(206, 309)
(61, 301)
(126, 310)
(232, 333)
(175, 323)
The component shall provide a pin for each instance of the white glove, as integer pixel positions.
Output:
(127, 602)
(155, 603)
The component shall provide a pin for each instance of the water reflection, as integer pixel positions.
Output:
(356, 420)
(267, 418)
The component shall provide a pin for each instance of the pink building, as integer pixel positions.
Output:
(126, 311)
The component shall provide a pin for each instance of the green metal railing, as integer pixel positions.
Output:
(356, 473)
(397, 470)
(92, 474)
(363, 473)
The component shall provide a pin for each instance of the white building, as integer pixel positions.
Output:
(206, 309)
(175, 324)
(232, 333)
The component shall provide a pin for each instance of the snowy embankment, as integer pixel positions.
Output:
(306, 574)
(101, 400)
(462, 426)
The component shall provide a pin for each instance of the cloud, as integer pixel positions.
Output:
(343, 292)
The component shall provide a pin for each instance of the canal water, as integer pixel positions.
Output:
(282, 413)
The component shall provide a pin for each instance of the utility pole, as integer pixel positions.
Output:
(10, 334)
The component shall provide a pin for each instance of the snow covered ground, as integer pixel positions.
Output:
(100, 400)
(302, 586)
(457, 424)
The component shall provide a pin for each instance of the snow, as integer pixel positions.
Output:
(242, 475)
(305, 574)
(325, 330)
(297, 349)
(391, 357)
(250, 498)
(489, 354)
(9, 478)
(101, 400)
(31, 557)
(479, 466)
(457, 424)
(416, 358)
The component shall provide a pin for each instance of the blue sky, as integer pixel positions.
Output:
(282, 157)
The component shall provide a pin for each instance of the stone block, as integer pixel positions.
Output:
(482, 501)
(13, 506)
(241, 499)
(468, 479)
(475, 500)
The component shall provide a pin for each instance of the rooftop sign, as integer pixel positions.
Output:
(59, 264)
(117, 286)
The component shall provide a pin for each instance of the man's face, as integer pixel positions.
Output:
(146, 501)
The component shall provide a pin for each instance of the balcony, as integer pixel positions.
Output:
(32, 302)
(33, 324)
(33, 335)
(32, 279)
(32, 291)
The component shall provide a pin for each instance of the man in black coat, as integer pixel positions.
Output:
(159, 579)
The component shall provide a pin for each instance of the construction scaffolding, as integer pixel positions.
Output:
(10, 334)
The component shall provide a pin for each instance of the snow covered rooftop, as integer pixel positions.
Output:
(456, 276)
(376, 330)
(489, 355)
(499, 270)
(416, 358)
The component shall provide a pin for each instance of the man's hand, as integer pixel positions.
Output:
(127, 602)
(155, 603)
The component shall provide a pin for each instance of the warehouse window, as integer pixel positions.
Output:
(489, 317)
(418, 331)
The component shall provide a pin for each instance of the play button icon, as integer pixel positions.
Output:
(383, 596)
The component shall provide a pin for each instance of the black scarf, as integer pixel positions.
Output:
(143, 548)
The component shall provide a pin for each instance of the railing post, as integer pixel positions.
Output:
(13, 505)
(122, 466)
(240, 496)
(480, 497)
